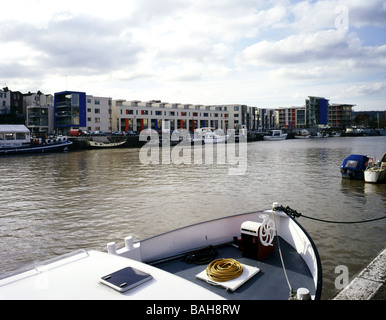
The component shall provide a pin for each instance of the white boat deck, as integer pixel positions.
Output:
(77, 278)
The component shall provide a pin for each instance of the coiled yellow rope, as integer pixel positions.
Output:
(221, 270)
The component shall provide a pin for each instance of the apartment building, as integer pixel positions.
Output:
(76, 110)
(138, 115)
(319, 112)
(98, 114)
(39, 111)
(316, 111)
(340, 115)
(5, 101)
(292, 117)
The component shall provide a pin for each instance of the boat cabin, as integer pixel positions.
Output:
(14, 135)
(353, 167)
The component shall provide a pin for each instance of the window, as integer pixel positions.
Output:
(97, 101)
(9, 136)
(75, 100)
(97, 120)
(20, 136)
(352, 164)
(97, 111)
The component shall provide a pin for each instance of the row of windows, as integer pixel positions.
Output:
(174, 113)
(173, 106)
(96, 120)
(96, 101)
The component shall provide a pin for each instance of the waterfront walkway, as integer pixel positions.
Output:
(369, 284)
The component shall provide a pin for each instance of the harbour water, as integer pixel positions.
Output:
(52, 204)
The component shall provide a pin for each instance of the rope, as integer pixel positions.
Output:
(221, 270)
(293, 213)
(282, 261)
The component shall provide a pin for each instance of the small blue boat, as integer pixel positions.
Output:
(354, 166)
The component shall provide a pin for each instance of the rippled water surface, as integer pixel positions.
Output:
(55, 203)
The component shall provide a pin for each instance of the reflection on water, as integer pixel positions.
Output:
(55, 203)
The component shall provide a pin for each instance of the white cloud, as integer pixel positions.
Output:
(300, 48)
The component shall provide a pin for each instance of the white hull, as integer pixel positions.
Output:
(275, 135)
(96, 144)
(214, 140)
(375, 175)
(277, 138)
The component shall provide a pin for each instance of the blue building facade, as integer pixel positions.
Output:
(317, 111)
(70, 110)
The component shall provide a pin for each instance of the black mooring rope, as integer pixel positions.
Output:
(293, 213)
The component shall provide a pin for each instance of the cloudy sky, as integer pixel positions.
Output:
(260, 53)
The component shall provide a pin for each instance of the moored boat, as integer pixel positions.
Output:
(317, 135)
(303, 134)
(354, 166)
(16, 139)
(376, 172)
(274, 256)
(211, 135)
(105, 144)
(275, 135)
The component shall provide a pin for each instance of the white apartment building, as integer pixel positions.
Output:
(137, 115)
(98, 114)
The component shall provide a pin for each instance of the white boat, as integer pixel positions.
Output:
(335, 134)
(376, 172)
(105, 144)
(315, 135)
(274, 257)
(16, 139)
(303, 134)
(275, 135)
(211, 135)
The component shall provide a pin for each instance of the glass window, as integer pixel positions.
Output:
(20, 136)
(9, 136)
(75, 99)
(352, 164)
